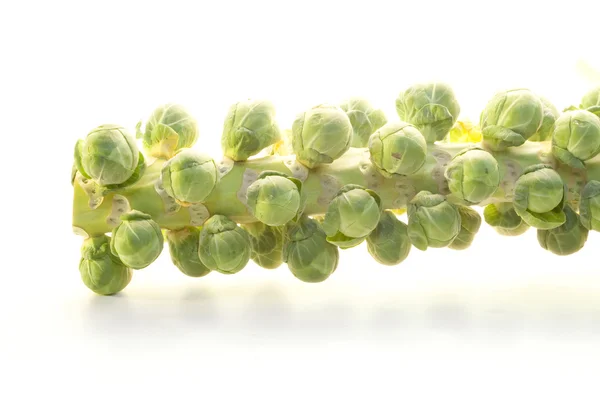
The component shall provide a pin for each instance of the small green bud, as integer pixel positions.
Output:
(539, 197)
(432, 221)
(249, 127)
(364, 118)
(274, 198)
(183, 248)
(576, 138)
(100, 270)
(170, 128)
(432, 108)
(591, 101)
(473, 175)
(546, 129)
(321, 135)
(138, 240)
(565, 239)
(389, 243)
(266, 243)
(189, 177)
(504, 219)
(224, 246)
(589, 205)
(397, 148)
(470, 222)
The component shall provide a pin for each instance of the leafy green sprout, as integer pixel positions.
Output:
(550, 114)
(473, 175)
(183, 248)
(389, 243)
(266, 243)
(275, 198)
(365, 120)
(568, 238)
(589, 206)
(576, 138)
(100, 270)
(224, 246)
(591, 101)
(504, 219)
(137, 240)
(432, 221)
(470, 222)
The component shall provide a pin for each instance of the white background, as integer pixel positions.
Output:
(504, 317)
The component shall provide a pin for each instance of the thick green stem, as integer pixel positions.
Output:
(320, 184)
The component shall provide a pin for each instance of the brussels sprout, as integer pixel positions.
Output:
(274, 198)
(397, 148)
(138, 240)
(169, 129)
(544, 133)
(101, 271)
(565, 239)
(352, 214)
(432, 108)
(504, 219)
(109, 157)
(307, 253)
(321, 135)
(183, 247)
(539, 197)
(576, 138)
(510, 118)
(389, 243)
(589, 205)
(464, 131)
(591, 101)
(266, 243)
(473, 175)
(189, 177)
(249, 127)
(432, 221)
(364, 119)
(224, 246)
(470, 222)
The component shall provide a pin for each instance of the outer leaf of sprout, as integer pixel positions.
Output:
(510, 118)
(274, 198)
(544, 133)
(266, 243)
(249, 127)
(321, 135)
(565, 239)
(470, 222)
(397, 148)
(432, 108)
(589, 205)
(224, 246)
(576, 138)
(432, 221)
(189, 176)
(100, 270)
(389, 243)
(169, 128)
(504, 219)
(138, 240)
(473, 175)
(183, 248)
(591, 101)
(539, 197)
(309, 256)
(364, 118)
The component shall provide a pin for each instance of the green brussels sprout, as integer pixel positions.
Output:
(432, 108)
(224, 246)
(565, 239)
(544, 133)
(432, 221)
(470, 222)
(321, 135)
(589, 205)
(397, 148)
(274, 198)
(100, 270)
(169, 129)
(189, 177)
(364, 118)
(473, 175)
(138, 240)
(109, 157)
(352, 214)
(539, 197)
(308, 254)
(266, 243)
(249, 127)
(510, 118)
(389, 243)
(576, 138)
(183, 248)
(591, 101)
(504, 219)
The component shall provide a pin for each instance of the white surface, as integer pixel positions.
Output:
(502, 318)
